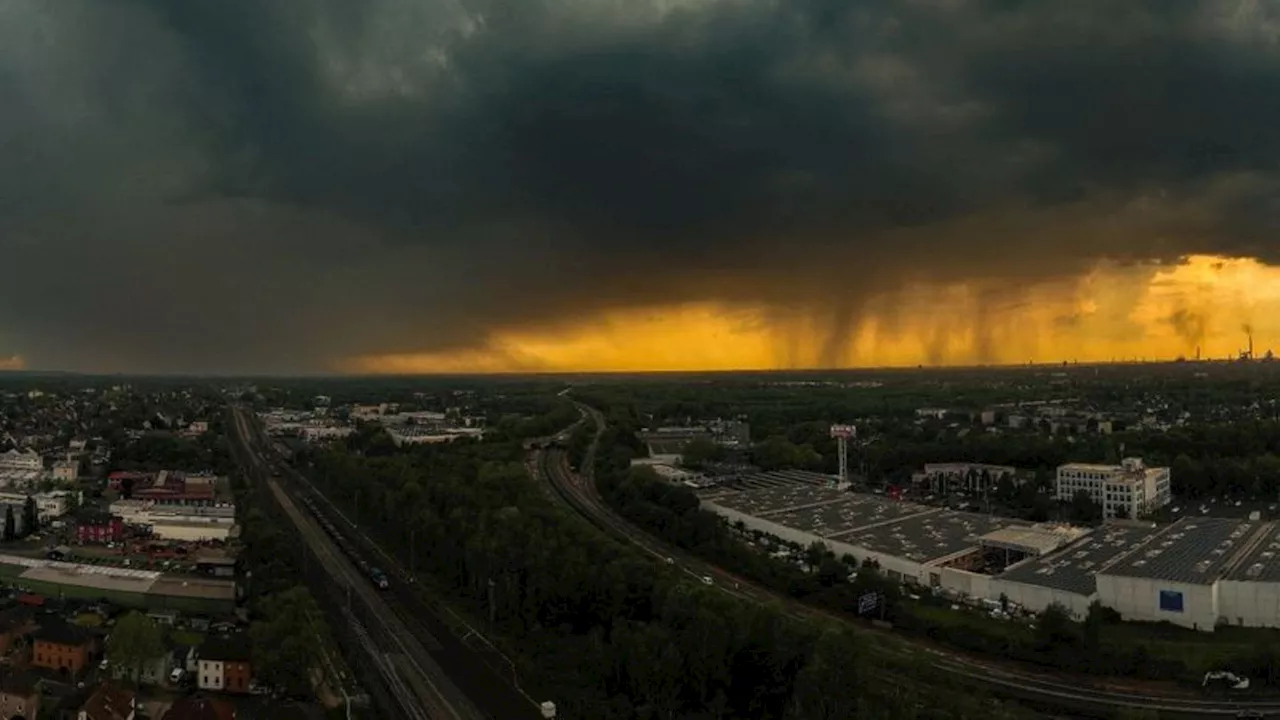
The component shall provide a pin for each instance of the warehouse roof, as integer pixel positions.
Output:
(1074, 568)
(1260, 564)
(1194, 551)
(773, 500)
(775, 479)
(926, 536)
(852, 513)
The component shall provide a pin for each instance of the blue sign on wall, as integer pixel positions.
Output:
(1170, 601)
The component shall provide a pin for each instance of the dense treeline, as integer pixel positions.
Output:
(1092, 647)
(599, 627)
(1228, 449)
(208, 452)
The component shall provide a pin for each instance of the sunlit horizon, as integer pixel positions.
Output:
(1117, 313)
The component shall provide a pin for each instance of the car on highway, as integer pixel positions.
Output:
(706, 580)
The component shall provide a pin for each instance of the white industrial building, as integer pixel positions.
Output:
(1197, 573)
(187, 523)
(1068, 577)
(192, 530)
(1175, 576)
(1129, 490)
(915, 544)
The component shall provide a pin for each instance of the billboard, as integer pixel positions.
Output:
(1171, 601)
(844, 431)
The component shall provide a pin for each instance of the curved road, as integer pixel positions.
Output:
(579, 492)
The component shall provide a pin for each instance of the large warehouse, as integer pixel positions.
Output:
(1069, 577)
(933, 547)
(1198, 572)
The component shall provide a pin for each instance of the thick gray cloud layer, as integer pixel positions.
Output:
(238, 185)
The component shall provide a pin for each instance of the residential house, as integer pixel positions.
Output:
(109, 702)
(200, 707)
(66, 471)
(19, 696)
(27, 459)
(59, 645)
(224, 664)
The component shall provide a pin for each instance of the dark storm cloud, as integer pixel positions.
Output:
(263, 186)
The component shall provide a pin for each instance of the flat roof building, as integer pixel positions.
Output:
(1174, 576)
(1068, 576)
(1129, 490)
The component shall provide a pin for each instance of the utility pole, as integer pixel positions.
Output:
(493, 608)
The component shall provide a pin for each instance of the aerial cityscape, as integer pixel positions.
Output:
(646, 360)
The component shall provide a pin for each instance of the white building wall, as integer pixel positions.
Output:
(1252, 604)
(894, 567)
(1139, 599)
(964, 582)
(1038, 599)
(210, 675)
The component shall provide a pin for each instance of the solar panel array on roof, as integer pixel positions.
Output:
(852, 512)
(1074, 568)
(1261, 564)
(771, 500)
(927, 536)
(1194, 551)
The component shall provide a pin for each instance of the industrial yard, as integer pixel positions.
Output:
(1197, 572)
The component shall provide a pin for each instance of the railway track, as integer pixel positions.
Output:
(420, 687)
(476, 672)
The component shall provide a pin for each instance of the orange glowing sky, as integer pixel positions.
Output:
(1113, 313)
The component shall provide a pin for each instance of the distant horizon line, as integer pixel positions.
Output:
(607, 373)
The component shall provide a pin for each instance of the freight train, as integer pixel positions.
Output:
(375, 575)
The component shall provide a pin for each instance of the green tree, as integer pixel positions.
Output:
(828, 686)
(30, 516)
(134, 641)
(1083, 509)
(287, 642)
(1054, 628)
(699, 452)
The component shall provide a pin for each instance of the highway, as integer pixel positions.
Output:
(578, 491)
(418, 683)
